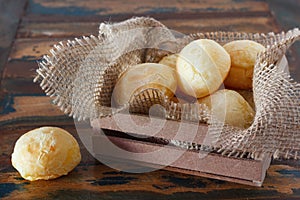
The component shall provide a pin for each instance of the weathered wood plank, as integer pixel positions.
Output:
(158, 16)
(10, 12)
(240, 24)
(20, 86)
(29, 106)
(95, 11)
(31, 110)
(57, 29)
(148, 7)
(97, 180)
(93, 180)
(288, 17)
(293, 56)
(64, 29)
(286, 12)
(20, 69)
(33, 48)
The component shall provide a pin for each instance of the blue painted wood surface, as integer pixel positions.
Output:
(30, 28)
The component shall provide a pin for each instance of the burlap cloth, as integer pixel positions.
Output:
(80, 76)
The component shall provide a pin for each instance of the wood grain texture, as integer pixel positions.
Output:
(64, 29)
(39, 42)
(98, 181)
(9, 20)
(135, 7)
(93, 180)
(287, 14)
(20, 69)
(57, 29)
(31, 49)
(122, 9)
(107, 7)
(23, 105)
(29, 106)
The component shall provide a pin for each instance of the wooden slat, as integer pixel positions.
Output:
(158, 16)
(286, 12)
(32, 49)
(64, 29)
(288, 17)
(101, 182)
(20, 86)
(240, 24)
(29, 106)
(9, 19)
(95, 11)
(31, 109)
(20, 70)
(57, 29)
(94, 180)
(293, 56)
(106, 7)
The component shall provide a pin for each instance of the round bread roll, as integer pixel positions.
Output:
(143, 76)
(230, 107)
(202, 66)
(243, 54)
(45, 153)
(169, 60)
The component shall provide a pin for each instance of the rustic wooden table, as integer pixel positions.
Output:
(29, 28)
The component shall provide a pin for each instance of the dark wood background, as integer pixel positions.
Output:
(29, 28)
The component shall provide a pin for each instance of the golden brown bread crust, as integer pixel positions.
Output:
(143, 76)
(45, 153)
(202, 66)
(230, 107)
(243, 55)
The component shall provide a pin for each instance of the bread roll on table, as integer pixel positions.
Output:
(243, 55)
(45, 153)
(202, 66)
(143, 76)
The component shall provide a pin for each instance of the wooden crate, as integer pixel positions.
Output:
(212, 165)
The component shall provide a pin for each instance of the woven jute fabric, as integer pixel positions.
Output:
(80, 76)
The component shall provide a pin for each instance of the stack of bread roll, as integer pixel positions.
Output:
(199, 71)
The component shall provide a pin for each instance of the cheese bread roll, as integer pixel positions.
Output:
(230, 107)
(243, 55)
(202, 66)
(45, 153)
(144, 76)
